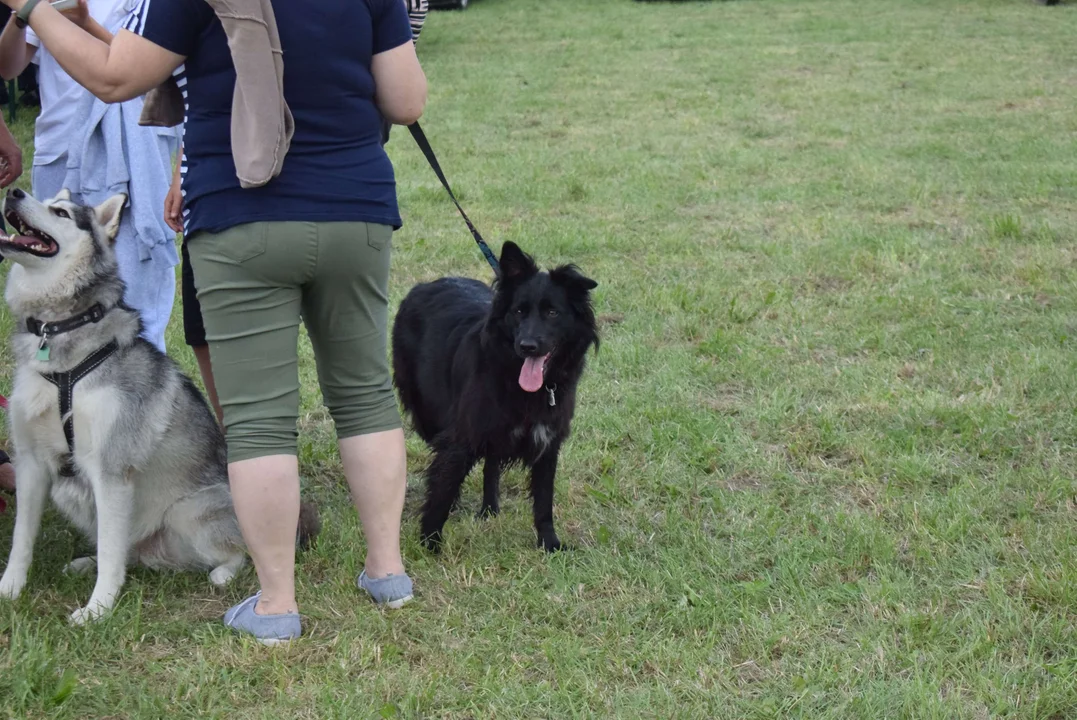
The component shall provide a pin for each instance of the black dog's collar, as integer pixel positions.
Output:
(50, 329)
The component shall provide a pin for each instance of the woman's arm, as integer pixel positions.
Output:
(80, 15)
(174, 198)
(127, 68)
(400, 84)
(94, 28)
(10, 156)
(15, 52)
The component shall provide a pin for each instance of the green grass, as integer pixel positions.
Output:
(824, 464)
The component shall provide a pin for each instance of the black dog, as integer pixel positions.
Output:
(491, 374)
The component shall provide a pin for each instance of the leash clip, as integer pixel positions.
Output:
(553, 398)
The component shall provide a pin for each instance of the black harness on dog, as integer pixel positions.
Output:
(65, 381)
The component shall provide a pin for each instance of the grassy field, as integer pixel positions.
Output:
(825, 462)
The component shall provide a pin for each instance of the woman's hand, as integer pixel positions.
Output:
(174, 205)
(79, 15)
(10, 158)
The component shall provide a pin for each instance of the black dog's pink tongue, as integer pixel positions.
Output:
(531, 373)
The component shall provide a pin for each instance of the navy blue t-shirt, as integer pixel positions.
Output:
(336, 168)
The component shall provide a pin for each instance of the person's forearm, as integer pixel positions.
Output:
(6, 138)
(83, 56)
(14, 52)
(95, 29)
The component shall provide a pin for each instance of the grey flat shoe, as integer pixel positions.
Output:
(267, 629)
(391, 591)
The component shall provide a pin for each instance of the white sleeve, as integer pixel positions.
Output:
(35, 42)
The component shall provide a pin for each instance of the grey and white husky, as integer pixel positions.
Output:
(99, 416)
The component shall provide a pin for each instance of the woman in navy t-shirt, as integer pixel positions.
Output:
(313, 242)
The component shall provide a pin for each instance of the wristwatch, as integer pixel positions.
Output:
(22, 17)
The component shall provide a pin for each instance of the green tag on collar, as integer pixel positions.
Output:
(43, 353)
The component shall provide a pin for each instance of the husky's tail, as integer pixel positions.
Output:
(310, 524)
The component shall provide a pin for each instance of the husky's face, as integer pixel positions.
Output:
(59, 242)
(546, 317)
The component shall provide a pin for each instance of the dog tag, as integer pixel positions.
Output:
(553, 398)
(43, 349)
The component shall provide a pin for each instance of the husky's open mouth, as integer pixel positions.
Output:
(28, 239)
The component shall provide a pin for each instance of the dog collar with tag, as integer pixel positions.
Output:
(45, 330)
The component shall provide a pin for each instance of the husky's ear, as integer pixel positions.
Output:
(109, 213)
(515, 263)
(63, 195)
(569, 276)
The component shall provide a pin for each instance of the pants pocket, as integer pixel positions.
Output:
(378, 236)
(244, 242)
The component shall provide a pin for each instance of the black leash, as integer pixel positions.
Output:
(424, 145)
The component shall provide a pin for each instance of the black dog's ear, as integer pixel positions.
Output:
(515, 263)
(570, 276)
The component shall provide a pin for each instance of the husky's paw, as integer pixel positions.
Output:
(226, 571)
(10, 587)
(80, 566)
(92, 611)
(221, 576)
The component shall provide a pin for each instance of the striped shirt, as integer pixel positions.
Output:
(136, 23)
(417, 10)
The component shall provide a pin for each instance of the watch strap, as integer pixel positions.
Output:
(22, 18)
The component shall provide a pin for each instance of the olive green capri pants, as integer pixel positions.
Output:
(254, 283)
